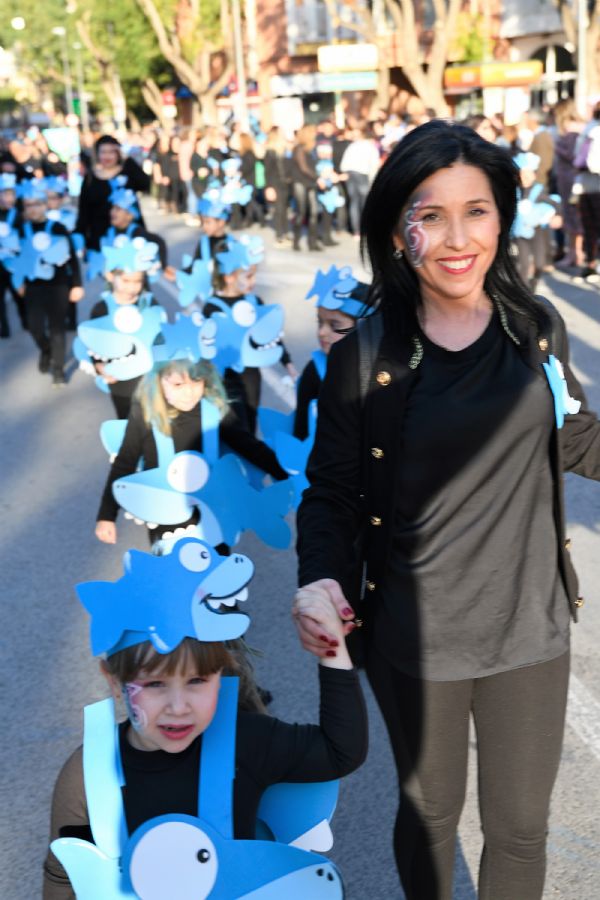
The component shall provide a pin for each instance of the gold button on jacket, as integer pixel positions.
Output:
(543, 344)
(375, 520)
(383, 378)
(370, 585)
(377, 452)
(579, 602)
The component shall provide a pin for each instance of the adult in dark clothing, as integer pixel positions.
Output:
(176, 193)
(170, 398)
(94, 201)
(254, 210)
(458, 448)
(305, 181)
(277, 184)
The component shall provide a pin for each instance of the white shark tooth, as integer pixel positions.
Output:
(138, 521)
(243, 595)
(111, 460)
(214, 604)
(228, 601)
(167, 535)
(128, 515)
(179, 532)
(152, 524)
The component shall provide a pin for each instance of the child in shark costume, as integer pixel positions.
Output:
(196, 794)
(180, 409)
(115, 344)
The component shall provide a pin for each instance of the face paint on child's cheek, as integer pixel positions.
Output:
(137, 716)
(415, 236)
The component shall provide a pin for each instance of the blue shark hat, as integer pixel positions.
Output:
(8, 181)
(529, 161)
(339, 289)
(212, 204)
(125, 198)
(132, 255)
(231, 166)
(255, 248)
(235, 256)
(32, 189)
(56, 184)
(191, 592)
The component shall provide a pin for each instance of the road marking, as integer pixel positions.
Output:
(583, 714)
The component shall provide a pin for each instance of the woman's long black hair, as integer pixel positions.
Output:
(431, 147)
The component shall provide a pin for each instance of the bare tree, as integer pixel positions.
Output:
(196, 74)
(109, 74)
(592, 37)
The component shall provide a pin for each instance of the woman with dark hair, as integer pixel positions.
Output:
(305, 181)
(94, 201)
(443, 441)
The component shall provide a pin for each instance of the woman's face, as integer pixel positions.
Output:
(449, 233)
(108, 156)
(180, 391)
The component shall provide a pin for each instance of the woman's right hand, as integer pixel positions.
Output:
(106, 531)
(315, 637)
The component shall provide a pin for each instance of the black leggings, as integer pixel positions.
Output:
(519, 721)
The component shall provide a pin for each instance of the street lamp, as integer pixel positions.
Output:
(61, 32)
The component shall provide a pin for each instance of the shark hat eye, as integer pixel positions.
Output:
(165, 863)
(120, 241)
(187, 473)
(194, 558)
(41, 240)
(243, 313)
(128, 319)
(139, 243)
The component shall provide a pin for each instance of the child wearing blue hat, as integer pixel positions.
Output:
(10, 221)
(341, 301)
(196, 756)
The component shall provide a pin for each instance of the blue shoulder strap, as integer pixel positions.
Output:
(27, 230)
(165, 447)
(217, 762)
(210, 419)
(103, 777)
(11, 216)
(205, 247)
(320, 360)
(535, 192)
(130, 229)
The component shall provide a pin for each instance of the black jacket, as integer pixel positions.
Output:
(333, 515)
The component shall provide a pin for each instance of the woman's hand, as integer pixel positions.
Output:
(270, 194)
(106, 531)
(323, 618)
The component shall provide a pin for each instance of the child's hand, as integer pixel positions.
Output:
(75, 294)
(106, 531)
(321, 627)
(170, 273)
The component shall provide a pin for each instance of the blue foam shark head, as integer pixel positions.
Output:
(192, 592)
(255, 248)
(132, 255)
(182, 856)
(8, 181)
(231, 166)
(124, 337)
(247, 334)
(213, 205)
(56, 184)
(233, 258)
(125, 198)
(196, 284)
(339, 289)
(39, 255)
(32, 189)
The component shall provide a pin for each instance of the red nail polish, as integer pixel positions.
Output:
(334, 643)
(348, 612)
(331, 653)
(323, 637)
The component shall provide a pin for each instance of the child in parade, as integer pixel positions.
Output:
(537, 212)
(234, 278)
(196, 748)
(169, 400)
(127, 287)
(59, 210)
(10, 221)
(214, 216)
(46, 273)
(336, 316)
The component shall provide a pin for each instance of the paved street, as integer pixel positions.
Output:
(53, 469)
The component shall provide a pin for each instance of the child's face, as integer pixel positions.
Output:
(34, 210)
(7, 199)
(180, 391)
(119, 217)
(528, 177)
(168, 712)
(238, 282)
(127, 286)
(329, 322)
(213, 227)
(55, 201)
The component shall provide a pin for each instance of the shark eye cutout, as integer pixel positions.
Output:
(188, 473)
(194, 559)
(41, 240)
(174, 859)
(243, 313)
(139, 242)
(128, 319)
(197, 318)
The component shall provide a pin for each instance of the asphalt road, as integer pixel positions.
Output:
(53, 469)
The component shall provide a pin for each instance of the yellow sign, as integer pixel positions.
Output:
(494, 75)
(348, 58)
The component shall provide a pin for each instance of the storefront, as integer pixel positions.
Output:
(492, 88)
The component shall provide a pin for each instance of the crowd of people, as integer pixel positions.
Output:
(440, 413)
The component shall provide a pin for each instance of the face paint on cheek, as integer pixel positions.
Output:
(137, 716)
(415, 235)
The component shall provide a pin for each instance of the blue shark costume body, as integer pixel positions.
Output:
(177, 855)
